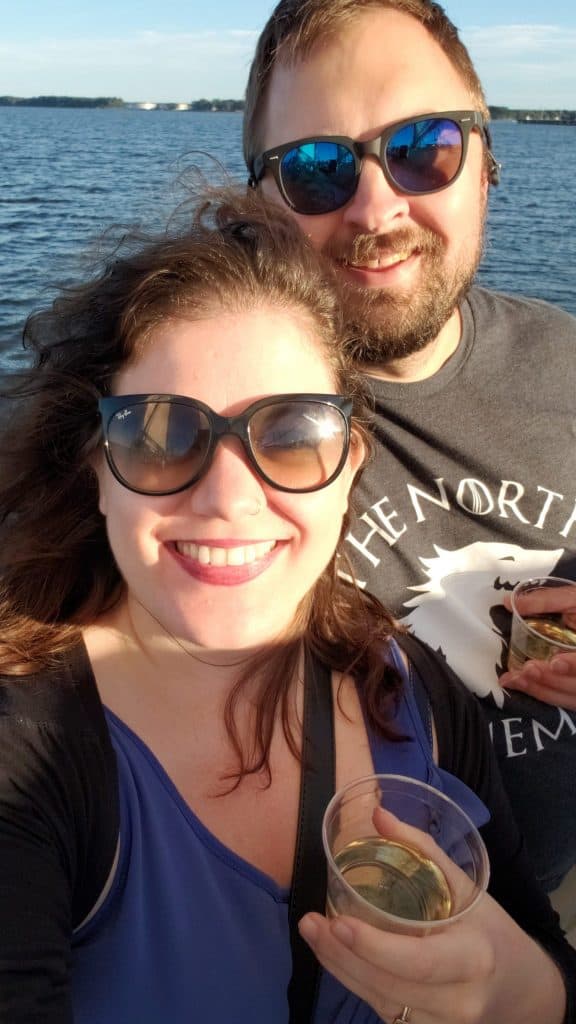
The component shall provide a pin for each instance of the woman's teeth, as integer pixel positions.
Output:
(243, 555)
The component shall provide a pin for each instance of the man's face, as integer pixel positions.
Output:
(406, 260)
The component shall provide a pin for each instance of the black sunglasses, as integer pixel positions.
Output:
(418, 156)
(162, 444)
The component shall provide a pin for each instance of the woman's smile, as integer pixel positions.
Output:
(225, 552)
(226, 563)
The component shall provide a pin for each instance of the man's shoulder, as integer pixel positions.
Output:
(497, 307)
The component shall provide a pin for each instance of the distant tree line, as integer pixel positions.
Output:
(61, 101)
(226, 105)
(509, 114)
(497, 113)
(111, 101)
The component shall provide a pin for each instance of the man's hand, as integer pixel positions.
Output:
(554, 681)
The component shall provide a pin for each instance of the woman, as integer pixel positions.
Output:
(175, 484)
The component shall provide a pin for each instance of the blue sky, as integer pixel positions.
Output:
(178, 50)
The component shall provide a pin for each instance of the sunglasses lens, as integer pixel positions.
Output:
(425, 155)
(299, 445)
(318, 177)
(158, 447)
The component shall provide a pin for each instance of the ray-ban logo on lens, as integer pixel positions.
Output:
(122, 415)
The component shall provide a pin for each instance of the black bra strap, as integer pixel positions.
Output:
(308, 891)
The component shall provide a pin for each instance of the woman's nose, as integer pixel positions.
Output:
(230, 489)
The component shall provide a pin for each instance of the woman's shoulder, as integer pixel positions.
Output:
(459, 722)
(60, 696)
(55, 746)
(58, 782)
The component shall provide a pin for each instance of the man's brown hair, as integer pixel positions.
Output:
(296, 26)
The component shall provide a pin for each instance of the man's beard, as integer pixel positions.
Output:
(384, 325)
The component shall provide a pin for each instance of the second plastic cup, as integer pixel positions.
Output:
(541, 624)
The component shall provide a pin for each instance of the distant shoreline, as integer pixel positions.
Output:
(525, 116)
(115, 103)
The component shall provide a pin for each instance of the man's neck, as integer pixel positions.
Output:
(425, 363)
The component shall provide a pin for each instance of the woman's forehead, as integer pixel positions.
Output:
(231, 358)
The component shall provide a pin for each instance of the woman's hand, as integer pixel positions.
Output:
(479, 970)
(554, 681)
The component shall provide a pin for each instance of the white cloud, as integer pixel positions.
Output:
(147, 65)
(520, 65)
(525, 65)
(519, 40)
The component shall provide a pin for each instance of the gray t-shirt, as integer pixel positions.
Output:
(473, 488)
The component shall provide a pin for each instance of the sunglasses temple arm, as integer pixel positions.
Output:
(256, 172)
(494, 168)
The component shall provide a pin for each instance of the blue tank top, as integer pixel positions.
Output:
(189, 931)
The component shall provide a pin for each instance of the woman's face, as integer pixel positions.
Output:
(225, 563)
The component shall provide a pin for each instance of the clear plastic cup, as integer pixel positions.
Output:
(427, 870)
(543, 620)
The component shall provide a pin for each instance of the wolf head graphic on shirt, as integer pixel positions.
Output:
(459, 611)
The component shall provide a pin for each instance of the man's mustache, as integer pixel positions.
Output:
(364, 248)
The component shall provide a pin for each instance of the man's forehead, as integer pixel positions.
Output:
(383, 67)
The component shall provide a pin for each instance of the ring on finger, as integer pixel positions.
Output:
(404, 1016)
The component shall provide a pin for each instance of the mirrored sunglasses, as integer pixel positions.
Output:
(418, 156)
(162, 444)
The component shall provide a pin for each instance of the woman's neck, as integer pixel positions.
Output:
(136, 659)
(131, 634)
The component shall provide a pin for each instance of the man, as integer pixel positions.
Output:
(368, 119)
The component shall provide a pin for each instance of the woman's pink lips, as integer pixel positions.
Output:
(225, 575)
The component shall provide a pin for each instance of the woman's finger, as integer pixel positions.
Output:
(463, 889)
(388, 970)
(455, 955)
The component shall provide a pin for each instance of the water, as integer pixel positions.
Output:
(532, 220)
(66, 175)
